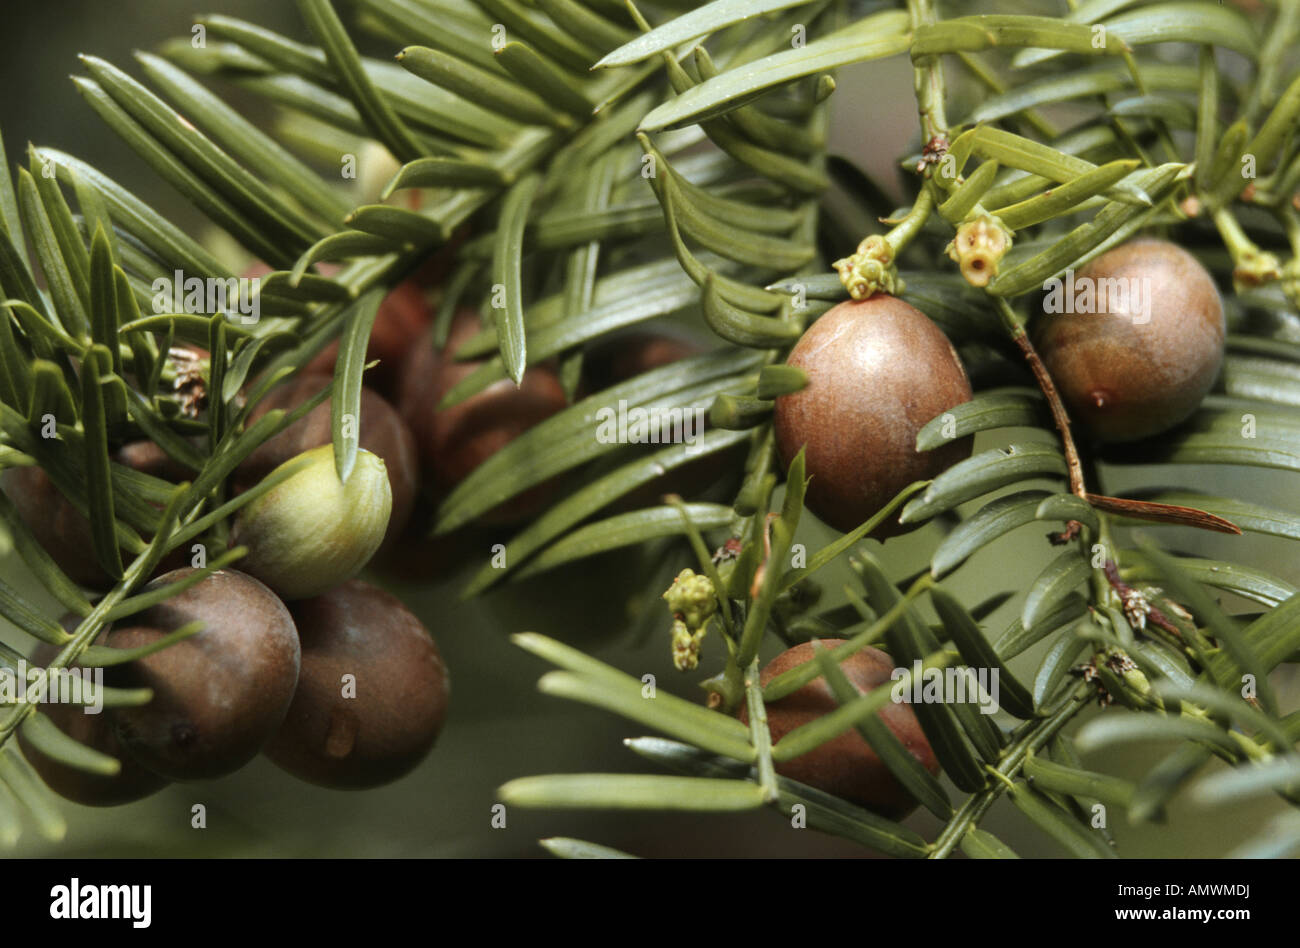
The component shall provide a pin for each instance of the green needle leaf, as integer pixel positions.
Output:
(624, 530)
(538, 29)
(1081, 83)
(244, 190)
(974, 33)
(708, 18)
(585, 25)
(487, 88)
(345, 406)
(1180, 22)
(901, 762)
(18, 776)
(566, 440)
(1165, 779)
(58, 277)
(1061, 658)
(103, 299)
(873, 37)
(1065, 507)
(745, 329)
(1242, 783)
(244, 140)
(662, 711)
(165, 240)
(10, 222)
(99, 484)
(103, 656)
(568, 848)
(1120, 727)
(1046, 775)
(507, 257)
(982, 473)
(342, 55)
(587, 500)
(533, 72)
(45, 736)
(996, 518)
(445, 173)
(1061, 200)
(1243, 580)
(981, 844)
(1061, 577)
(978, 653)
(631, 792)
(1079, 840)
(342, 246)
(1021, 408)
(969, 193)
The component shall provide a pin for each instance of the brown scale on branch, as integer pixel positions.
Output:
(1072, 530)
(1137, 609)
(728, 551)
(1117, 662)
(932, 153)
(190, 383)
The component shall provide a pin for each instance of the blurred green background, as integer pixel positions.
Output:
(500, 727)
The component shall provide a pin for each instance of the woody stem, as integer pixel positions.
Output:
(1021, 339)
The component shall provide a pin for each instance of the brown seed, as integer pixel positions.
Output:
(382, 430)
(218, 695)
(878, 370)
(56, 524)
(61, 530)
(631, 354)
(455, 441)
(372, 694)
(1134, 366)
(845, 766)
(628, 355)
(131, 783)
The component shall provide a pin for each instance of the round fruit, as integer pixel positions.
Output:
(878, 370)
(56, 524)
(145, 456)
(372, 694)
(312, 531)
(220, 694)
(846, 766)
(129, 784)
(455, 441)
(63, 532)
(628, 355)
(1137, 340)
(383, 432)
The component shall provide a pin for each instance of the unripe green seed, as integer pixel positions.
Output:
(312, 532)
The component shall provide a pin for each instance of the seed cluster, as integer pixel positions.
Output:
(330, 677)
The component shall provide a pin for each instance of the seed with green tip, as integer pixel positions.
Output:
(312, 531)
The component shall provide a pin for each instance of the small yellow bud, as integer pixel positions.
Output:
(978, 248)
